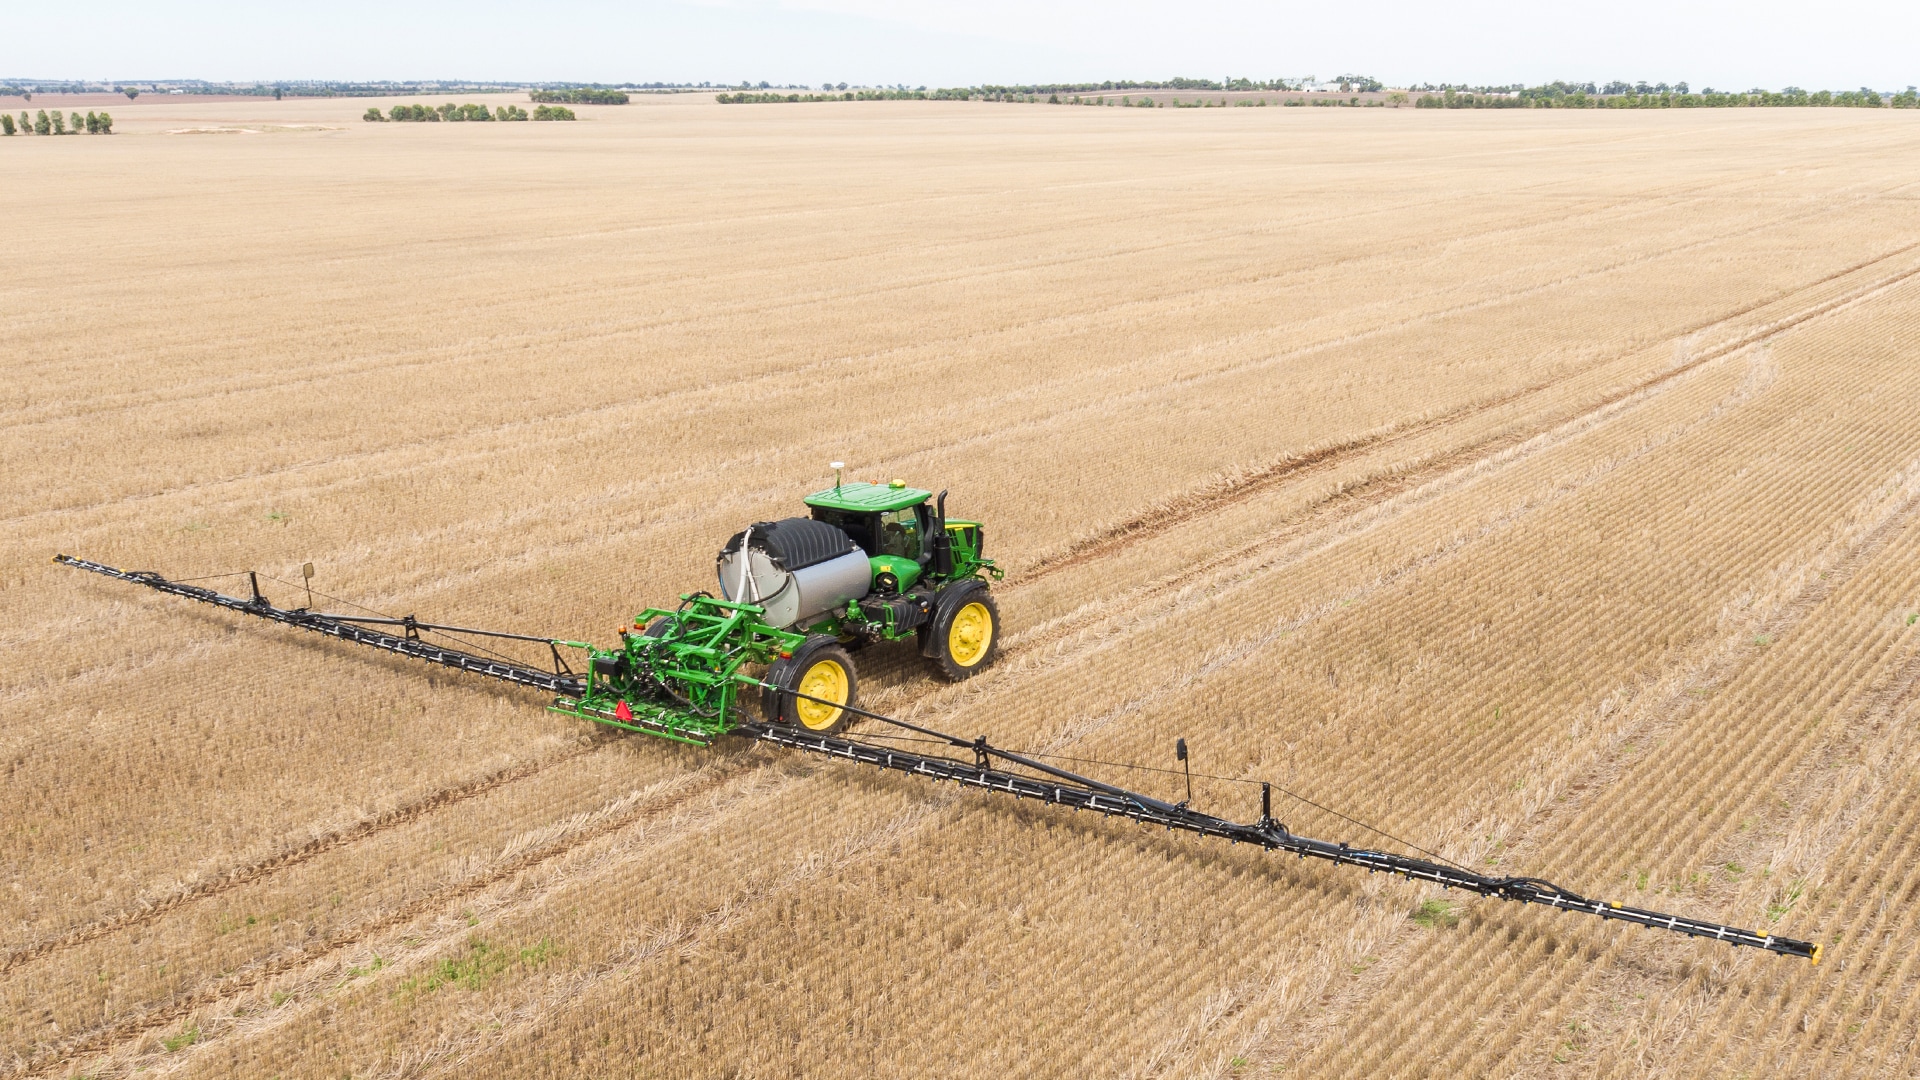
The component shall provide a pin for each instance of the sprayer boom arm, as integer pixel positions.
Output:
(1052, 785)
(1081, 793)
(347, 628)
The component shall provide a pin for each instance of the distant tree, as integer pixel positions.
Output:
(93, 123)
(75, 123)
(842, 86)
(553, 112)
(583, 95)
(373, 116)
(6, 123)
(26, 125)
(55, 126)
(131, 92)
(106, 123)
(276, 93)
(1680, 88)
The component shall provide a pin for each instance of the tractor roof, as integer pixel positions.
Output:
(867, 498)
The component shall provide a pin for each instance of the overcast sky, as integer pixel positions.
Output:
(1727, 44)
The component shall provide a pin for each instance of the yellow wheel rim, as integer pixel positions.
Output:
(971, 633)
(827, 680)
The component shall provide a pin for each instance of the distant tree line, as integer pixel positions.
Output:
(1641, 96)
(1144, 102)
(751, 97)
(421, 114)
(94, 123)
(579, 96)
(1357, 84)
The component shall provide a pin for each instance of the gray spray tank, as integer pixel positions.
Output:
(796, 568)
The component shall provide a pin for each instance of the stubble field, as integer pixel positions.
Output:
(1535, 487)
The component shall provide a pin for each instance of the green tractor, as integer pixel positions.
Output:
(872, 563)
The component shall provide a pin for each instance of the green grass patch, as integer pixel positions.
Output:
(479, 965)
(181, 1041)
(1436, 915)
(1785, 904)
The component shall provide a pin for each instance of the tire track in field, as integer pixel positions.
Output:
(216, 991)
(1352, 499)
(219, 990)
(1583, 787)
(1837, 822)
(603, 822)
(244, 382)
(546, 423)
(1731, 659)
(1641, 203)
(906, 457)
(1234, 489)
(1388, 483)
(287, 858)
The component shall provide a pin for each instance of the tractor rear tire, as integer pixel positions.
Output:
(965, 635)
(821, 669)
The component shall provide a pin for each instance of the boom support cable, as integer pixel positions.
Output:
(993, 768)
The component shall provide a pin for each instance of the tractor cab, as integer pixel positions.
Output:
(906, 534)
(892, 523)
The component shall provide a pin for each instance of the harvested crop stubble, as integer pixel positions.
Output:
(1498, 522)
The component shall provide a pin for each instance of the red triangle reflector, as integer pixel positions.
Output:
(622, 712)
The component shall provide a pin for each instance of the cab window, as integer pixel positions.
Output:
(856, 526)
(900, 533)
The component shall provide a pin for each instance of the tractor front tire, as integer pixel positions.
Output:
(821, 670)
(965, 635)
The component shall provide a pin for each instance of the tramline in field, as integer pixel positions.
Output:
(872, 563)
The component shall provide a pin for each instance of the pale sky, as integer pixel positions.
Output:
(1726, 44)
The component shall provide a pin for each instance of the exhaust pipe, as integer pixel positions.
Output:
(942, 543)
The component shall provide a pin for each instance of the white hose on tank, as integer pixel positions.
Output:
(746, 569)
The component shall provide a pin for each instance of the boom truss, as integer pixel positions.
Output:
(989, 768)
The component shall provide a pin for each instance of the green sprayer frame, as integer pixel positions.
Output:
(680, 677)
